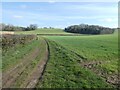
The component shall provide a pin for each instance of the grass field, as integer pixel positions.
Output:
(64, 71)
(43, 31)
(85, 61)
(97, 48)
(92, 47)
(57, 44)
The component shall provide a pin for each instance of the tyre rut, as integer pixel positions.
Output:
(9, 78)
(37, 73)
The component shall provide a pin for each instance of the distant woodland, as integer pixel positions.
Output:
(89, 29)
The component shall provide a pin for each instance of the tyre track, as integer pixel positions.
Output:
(37, 73)
(10, 77)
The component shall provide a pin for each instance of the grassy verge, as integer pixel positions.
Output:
(64, 71)
(14, 56)
(103, 48)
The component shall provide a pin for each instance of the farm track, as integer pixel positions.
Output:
(59, 34)
(37, 73)
(10, 77)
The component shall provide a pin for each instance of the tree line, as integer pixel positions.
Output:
(89, 29)
(10, 27)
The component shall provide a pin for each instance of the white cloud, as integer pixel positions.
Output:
(17, 16)
(109, 20)
(51, 1)
(23, 6)
(75, 17)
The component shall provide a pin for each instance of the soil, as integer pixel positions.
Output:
(10, 76)
(37, 72)
(109, 78)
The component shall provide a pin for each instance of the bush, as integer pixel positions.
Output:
(9, 41)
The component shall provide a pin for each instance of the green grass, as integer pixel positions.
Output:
(64, 71)
(14, 56)
(66, 52)
(93, 47)
(43, 31)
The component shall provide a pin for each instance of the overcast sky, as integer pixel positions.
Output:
(60, 14)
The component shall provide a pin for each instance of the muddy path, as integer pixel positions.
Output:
(38, 72)
(10, 76)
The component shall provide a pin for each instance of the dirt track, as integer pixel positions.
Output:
(10, 76)
(37, 73)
